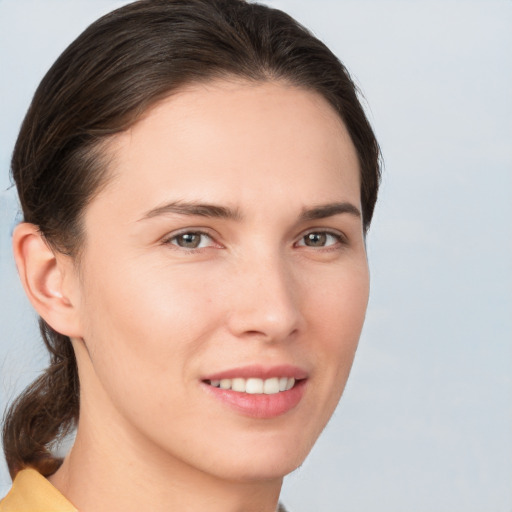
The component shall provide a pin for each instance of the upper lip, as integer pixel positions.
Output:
(260, 372)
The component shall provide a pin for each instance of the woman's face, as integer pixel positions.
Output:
(227, 246)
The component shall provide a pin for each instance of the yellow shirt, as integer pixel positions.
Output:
(32, 492)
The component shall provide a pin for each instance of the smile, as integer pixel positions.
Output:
(254, 385)
(258, 392)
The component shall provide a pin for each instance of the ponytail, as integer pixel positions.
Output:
(45, 412)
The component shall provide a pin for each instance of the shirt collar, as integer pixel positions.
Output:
(32, 492)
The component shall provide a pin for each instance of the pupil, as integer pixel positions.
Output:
(190, 240)
(316, 239)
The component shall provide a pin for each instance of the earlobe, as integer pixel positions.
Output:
(46, 277)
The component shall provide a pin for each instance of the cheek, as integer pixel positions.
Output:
(336, 315)
(142, 325)
(337, 304)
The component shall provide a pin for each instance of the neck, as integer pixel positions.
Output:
(123, 474)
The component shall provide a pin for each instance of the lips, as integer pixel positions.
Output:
(257, 391)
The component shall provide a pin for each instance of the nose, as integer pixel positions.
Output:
(266, 302)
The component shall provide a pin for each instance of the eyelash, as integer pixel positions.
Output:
(339, 240)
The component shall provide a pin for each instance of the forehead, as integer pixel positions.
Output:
(230, 140)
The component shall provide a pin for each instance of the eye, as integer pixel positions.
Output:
(320, 239)
(191, 240)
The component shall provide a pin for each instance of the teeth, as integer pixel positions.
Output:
(225, 384)
(271, 386)
(238, 385)
(255, 386)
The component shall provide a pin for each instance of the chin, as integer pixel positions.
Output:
(273, 468)
(263, 459)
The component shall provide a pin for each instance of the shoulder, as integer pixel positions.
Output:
(31, 492)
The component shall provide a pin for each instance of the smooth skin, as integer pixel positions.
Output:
(166, 293)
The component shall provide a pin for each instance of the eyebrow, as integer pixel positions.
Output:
(329, 210)
(194, 209)
(223, 212)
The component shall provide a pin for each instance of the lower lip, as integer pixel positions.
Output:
(260, 405)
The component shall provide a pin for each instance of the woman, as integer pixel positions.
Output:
(197, 178)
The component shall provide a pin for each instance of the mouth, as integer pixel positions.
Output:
(258, 392)
(254, 385)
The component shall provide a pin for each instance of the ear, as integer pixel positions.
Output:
(49, 279)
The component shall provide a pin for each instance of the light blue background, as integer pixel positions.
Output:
(426, 421)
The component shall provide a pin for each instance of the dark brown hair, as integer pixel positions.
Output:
(103, 82)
